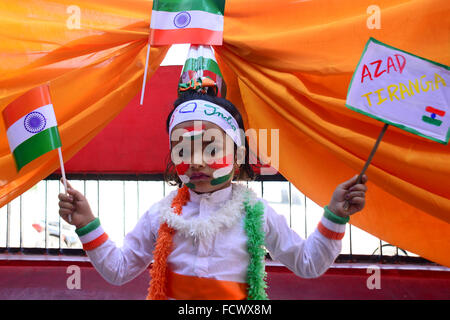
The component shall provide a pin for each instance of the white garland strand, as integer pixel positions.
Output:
(230, 213)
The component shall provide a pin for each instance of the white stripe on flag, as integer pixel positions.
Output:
(17, 133)
(198, 19)
(94, 234)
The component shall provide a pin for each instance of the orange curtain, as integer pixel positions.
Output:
(287, 65)
(92, 54)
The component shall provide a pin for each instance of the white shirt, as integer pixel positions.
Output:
(223, 258)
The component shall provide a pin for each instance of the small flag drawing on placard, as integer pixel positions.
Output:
(433, 112)
(187, 21)
(31, 126)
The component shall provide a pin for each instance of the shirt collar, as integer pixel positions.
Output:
(215, 197)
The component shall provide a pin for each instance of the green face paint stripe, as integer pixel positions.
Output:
(190, 185)
(220, 180)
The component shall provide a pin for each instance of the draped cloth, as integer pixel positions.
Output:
(287, 65)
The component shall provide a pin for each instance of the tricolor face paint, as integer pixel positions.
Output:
(203, 155)
(222, 169)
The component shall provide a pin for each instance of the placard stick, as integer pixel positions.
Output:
(375, 147)
(61, 163)
(145, 74)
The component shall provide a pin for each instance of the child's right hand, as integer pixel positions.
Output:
(76, 205)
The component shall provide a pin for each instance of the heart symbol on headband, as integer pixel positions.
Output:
(190, 107)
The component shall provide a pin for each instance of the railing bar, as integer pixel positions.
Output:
(306, 211)
(20, 223)
(350, 234)
(8, 225)
(137, 192)
(123, 196)
(45, 215)
(290, 205)
(98, 198)
(60, 220)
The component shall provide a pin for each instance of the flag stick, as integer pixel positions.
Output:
(61, 163)
(145, 74)
(375, 147)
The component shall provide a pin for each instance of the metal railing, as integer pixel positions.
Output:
(30, 224)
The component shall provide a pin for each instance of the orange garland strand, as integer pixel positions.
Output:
(158, 272)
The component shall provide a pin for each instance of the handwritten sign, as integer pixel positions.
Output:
(403, 90)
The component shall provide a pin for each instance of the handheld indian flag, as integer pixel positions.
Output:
(31, 127)
(185, 21)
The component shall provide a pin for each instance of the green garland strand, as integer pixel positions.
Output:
(256, 273)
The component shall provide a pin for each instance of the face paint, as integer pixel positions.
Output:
(223, 168)
(194, 132)
(181, 170)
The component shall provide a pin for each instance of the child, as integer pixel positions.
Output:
(207, 237)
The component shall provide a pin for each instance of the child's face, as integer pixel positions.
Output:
(203, 155)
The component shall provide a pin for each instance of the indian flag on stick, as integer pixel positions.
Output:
(201, 62)
(187, 21)
(31, 126)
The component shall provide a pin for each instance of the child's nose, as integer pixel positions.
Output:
(197, 159)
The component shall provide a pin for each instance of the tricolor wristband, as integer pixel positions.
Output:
(335, 218)
(332, 226)
(92, 235)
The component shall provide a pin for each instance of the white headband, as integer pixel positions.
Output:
(207, 111)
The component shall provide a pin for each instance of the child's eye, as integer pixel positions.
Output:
(181, 153)
(213, 152)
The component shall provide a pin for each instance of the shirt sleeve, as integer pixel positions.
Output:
(121, 265)
(308, 258)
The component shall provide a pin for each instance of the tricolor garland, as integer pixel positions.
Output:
(243, 200)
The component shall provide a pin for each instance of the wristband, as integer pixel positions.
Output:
(335, 218)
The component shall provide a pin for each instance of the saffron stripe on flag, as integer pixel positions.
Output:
(213, 6)
(436, 111)
(197, 19)
(26, 103)
(193, 36)
(36, 146)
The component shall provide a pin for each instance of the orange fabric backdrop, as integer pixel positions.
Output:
(287, 65)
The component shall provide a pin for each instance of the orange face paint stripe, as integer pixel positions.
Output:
(26, 103)
(222, 163)
(329, 233)
(182, 287)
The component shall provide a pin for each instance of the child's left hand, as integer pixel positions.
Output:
(351, 192)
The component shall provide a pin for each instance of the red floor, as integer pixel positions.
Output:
(48, 280)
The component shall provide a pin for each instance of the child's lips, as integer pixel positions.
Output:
(199, 176)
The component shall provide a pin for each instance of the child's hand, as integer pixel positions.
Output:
(77, 206)
(351, 192)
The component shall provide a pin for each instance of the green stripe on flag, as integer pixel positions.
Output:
(36, 146)
(202, 64)
(432, 121)
(211, 6)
